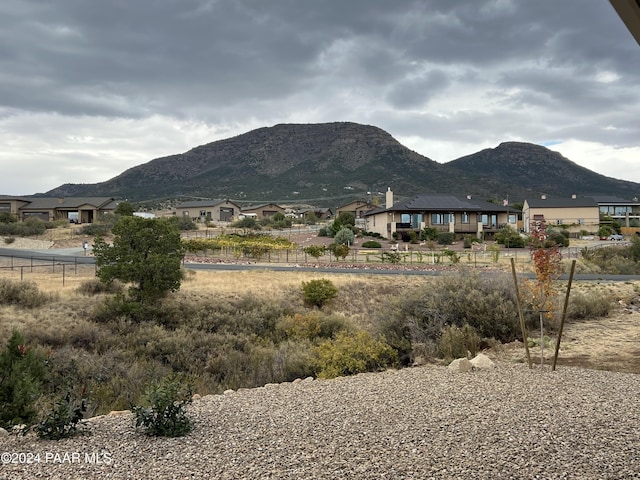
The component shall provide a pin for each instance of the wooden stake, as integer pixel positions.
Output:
(523, 327)
(564, 314)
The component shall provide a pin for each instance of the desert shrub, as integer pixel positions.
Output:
(316, 251)
(429, 233)
(446, 238)
(96, 287)
(371, 244)
(351, 353)
(22, 372)
(344, 236)
(9, 240)
(183, 223)
(592, 305)
(455, 342)
(323, 232)
(391, 257)
(165, 415)
(486, 303)
(509, 237)
(452, 255)
(94, 229)
(318, 292)
(23, 294)
(311, 326)
(64, 420)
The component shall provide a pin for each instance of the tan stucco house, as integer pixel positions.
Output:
(357, 208)
(443, 211)
(263, 211)
(48, 209)
(211, 210)
(573, 214)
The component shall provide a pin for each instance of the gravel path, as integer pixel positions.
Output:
(418, 423)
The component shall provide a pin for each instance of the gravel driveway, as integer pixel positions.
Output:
(418, 423)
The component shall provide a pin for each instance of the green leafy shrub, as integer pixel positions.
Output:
(429, 233)
(166, 414)
(64, 420)
(316, 251)
(391, 257)
(9, 240)
(371, 244)
(339, 250)
(351, 353)
(22, 293)
(22, 372)
(446, 238)
(318, 292)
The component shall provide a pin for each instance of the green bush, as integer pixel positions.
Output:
(318, 292)
(22, 372)
(182, 223)
(351, 353)
(344, 236)
(166, 415)
(429, 233)
(64, 420)
(22, 293)
(446, 238)
(316, 251)
(371, 244)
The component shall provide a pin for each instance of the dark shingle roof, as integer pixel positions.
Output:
(578, 202)
(447, 203)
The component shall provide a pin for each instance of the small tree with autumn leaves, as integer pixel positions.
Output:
(541, 294)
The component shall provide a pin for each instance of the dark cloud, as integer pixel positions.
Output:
(466, 71)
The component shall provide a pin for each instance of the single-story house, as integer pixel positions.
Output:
(573, 214)
(209, 210)
(48, 209)
(263, 211)
(320, 213)
(357, 208)
(445, 212)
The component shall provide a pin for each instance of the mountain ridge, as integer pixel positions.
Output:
(291, 162)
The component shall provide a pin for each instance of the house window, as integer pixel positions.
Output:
(185, 213)
(512, 218)
(203, 213)
(559, 221)
(581, 221)
(489, 220)
(465, 217)
(416, 220)
(440, 218)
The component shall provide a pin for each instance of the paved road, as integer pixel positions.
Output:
(76, 256)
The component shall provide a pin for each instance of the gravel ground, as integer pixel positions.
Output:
(418, 423)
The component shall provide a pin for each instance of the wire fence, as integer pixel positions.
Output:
(56, 268)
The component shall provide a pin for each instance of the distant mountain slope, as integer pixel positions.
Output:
(539, 170)
(331, 163)
(281, 163)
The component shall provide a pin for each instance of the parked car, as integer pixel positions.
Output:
(615, 237)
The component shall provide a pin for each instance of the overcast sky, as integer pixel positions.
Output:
(91, 88)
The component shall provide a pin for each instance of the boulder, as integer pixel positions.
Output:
(482, 362)
(3, 433)
(460, 365)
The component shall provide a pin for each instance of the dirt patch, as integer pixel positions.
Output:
(611, 343)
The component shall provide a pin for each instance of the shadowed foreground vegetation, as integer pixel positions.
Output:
(245, 329)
